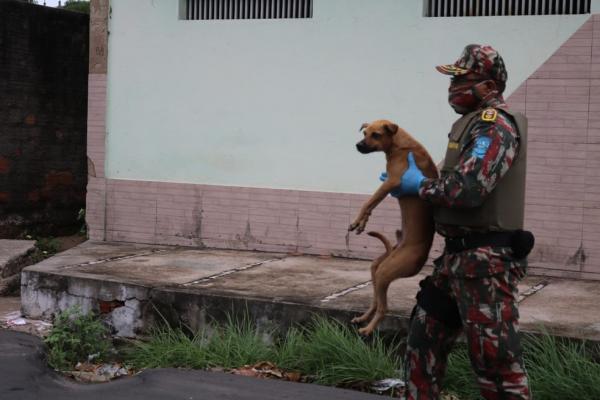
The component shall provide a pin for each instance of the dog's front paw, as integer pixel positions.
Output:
(361, 226)
(359, 223)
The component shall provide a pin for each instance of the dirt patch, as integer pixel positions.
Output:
(9, 304)
(67, 242)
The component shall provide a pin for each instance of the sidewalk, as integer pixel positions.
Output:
(130, 281)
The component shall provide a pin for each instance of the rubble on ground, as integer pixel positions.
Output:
(15, 321)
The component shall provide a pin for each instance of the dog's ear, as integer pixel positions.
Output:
(363, 126)
(391, 129)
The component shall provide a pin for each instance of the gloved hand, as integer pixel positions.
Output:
(411, 180)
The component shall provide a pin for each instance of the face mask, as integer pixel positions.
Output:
(463, 101)
(467, 99)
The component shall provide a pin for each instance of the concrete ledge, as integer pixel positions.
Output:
(129, 283)
(11, 251)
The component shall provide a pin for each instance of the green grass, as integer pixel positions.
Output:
(327, 351)
(562, 369)
(290, 351)
(557, 369)
(237, 343)
(336, 355)
(234, 344)
(169, 348)
(331, 353)
(460, 379)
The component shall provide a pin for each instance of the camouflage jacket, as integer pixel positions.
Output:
(483, 162)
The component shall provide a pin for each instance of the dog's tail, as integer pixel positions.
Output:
(384, 240)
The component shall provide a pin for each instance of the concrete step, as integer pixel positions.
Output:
(130, 282)
(13, 257)
(10, 252)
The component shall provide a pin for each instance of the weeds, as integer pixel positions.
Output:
(291, 350)
(328, 351)
(48, 246)
(44, 247)
(169, 348)
(232, 345)
(336, 354)
(237, 343)
(81, 219)
(460, 379)
(74, 337)
(558, 368)
(331, 353)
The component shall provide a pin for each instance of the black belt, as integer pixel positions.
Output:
(472, 241)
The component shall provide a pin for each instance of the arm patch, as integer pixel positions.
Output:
(482, 143)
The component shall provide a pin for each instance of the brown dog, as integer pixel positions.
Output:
(409, 255)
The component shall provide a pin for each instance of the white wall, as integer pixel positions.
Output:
(278, 103)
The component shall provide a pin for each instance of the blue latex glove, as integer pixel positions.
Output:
(396, 192)
(411, 180)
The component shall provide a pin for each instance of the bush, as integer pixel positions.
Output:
(74, 337)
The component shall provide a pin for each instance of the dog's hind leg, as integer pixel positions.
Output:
(403, 262)
(374, 265)
(369, 313)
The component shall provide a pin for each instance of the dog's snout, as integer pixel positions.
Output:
(362, 147)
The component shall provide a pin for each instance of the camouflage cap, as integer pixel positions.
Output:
(480, 59)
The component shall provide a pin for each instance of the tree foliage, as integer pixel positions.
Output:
(78, 6)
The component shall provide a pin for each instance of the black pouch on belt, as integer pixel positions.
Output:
(521, 243)
(438, 304)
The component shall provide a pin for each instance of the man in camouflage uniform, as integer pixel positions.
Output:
(478, 207)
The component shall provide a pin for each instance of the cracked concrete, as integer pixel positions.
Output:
(130, 282)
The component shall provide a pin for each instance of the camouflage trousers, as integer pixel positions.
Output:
(486, 295)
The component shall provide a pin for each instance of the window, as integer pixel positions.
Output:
(246, 9)
(481, 8)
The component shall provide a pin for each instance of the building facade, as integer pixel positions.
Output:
(232, 123)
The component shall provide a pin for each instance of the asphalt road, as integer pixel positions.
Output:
(25, 376)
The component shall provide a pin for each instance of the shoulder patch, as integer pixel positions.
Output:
(489, 115)
(481, 146)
